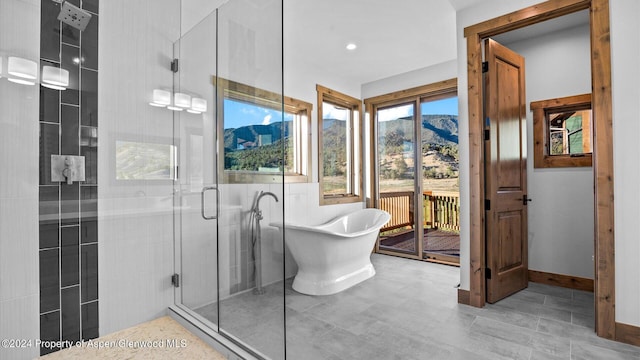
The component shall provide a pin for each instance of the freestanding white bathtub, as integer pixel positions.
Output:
(334, 256)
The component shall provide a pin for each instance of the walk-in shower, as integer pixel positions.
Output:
(224, 256)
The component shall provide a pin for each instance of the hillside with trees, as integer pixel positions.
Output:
(439, 149)
(257, 146)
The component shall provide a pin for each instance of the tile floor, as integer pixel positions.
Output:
(408, 311)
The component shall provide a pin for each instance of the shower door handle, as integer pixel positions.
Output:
(203, 202)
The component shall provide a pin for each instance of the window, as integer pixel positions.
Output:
(562, 132)
(260, 142)
(339, 147)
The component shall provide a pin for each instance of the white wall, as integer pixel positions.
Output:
(19, 144)
(194, 11)
(302, 201)
(625, 50)
(561, 213)
(135, 229)
(425, 76)
(625, 54)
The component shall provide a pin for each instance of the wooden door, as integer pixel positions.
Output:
(505, 172)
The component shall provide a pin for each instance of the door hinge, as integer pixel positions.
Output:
(525, 199)
(487, 134)
(174, 65)
(177, 176)
(175, 280)
(487, 273)
(487, 204)
(485, 66)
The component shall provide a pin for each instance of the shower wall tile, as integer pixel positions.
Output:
(49, 145)
(49, 235)
(49, 204)
(49, 280)
(50, 329)
(70, 256)
(89, 201)
(90, 44)
(70, 58)
(50, 31)
(91, 5)
(90, 164)
(89, 264)
(88, 137)
(90, 320)
(70, 122)
(70, 313)
(70, 35)
(88, 230)
(68, 226)
(89, 96)
(69, 204)
(89, 149)
(49, 99)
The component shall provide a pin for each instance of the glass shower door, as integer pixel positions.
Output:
(196, 192)
(230, 261)
(250, 162)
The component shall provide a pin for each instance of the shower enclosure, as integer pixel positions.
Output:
(230, 60)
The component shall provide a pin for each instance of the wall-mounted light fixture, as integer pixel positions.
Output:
(22, 71)
(181, 101)
(161, 98)
(198, 106)
(55, 78)
(178, 101)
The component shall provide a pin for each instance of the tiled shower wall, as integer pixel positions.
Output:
(68, 213)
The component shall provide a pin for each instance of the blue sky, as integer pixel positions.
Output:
(237, 114)
(448, 106)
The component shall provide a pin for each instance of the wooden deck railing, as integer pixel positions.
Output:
(401, 207)
(441, 209)
(444, 210)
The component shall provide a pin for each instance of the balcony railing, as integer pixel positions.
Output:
(441, 210)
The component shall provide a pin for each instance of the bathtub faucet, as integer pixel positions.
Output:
(256, 214)
(256, 203)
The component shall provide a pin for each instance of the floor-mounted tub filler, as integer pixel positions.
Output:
(334, 256)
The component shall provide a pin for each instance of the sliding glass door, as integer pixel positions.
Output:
(440, 194)
(417, 170)
(397, 177)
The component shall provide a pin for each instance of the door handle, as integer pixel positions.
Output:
(202, 202)
(525, 199)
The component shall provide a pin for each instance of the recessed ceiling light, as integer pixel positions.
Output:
(351, 46)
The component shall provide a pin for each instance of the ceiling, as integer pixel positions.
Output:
(393, 36)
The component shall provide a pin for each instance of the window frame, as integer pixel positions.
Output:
(355, 141)
(541, 110)
(229, 89)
